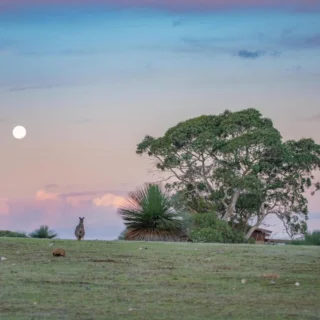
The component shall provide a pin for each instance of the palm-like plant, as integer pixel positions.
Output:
(149, 216)
(43, 232)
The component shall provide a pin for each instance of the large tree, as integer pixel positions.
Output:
(237, 163)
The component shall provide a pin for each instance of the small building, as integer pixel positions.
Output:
(261, 235)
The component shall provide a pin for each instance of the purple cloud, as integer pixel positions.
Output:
(246, 54)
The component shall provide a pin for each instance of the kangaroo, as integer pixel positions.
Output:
(79, 232)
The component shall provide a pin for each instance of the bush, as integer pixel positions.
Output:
(250, 241)
(122, 235)
(44, 233)
(313, 239)
(209, 228)
(13, 234)
(310, 239)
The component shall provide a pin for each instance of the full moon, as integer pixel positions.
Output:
(19, 132)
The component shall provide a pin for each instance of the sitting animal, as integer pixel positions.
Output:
(79, 232)
(58, 252)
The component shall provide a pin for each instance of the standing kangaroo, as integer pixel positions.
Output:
(79, 232)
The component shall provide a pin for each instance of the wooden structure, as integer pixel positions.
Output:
(261, 235)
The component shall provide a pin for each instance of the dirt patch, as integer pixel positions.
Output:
(104, 260)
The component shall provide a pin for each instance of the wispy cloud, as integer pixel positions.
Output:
(108, 200)
(43, 195)
(52, 186)
(102, 198)
(314, 118)
(246, 54)
(254, 54)
(211, 46)
(300, 42)
(36, 87)
(177, 23)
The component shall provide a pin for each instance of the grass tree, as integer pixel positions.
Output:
(149, 216)
(43, 232)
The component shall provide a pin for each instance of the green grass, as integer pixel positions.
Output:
(165, 281)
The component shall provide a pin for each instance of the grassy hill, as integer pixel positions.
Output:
(133, 280)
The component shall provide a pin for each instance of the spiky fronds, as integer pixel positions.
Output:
(149, 215)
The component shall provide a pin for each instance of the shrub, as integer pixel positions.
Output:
(313, 239)
(122, 235)
(209, 228)
(13, 234)
(250, 241)
(43, 232)
(310, 239)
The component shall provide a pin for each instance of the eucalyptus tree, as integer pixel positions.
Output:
(237, 164)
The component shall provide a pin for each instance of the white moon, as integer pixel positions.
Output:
(19, 132)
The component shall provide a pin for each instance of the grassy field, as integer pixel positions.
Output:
(120, 280)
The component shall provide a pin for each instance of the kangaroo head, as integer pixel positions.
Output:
(81, 219)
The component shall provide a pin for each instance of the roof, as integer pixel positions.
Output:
(264, 230)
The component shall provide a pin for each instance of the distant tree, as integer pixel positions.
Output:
(149, 215)
(13, 234)
(237, 165)
(43, 232)
(310, 239)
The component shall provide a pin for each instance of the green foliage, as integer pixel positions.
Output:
(250, 241)
(310, 239)
(149, 215)
(13, 234)
(122, 235)
(313, 238)
(237, 165)
(209, 228)
(43, 232)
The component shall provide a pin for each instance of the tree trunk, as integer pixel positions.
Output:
(253, 228)
(232, 206)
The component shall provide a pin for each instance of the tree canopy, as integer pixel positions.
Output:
(237, 164)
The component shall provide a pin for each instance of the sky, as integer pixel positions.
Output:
(89, 79)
